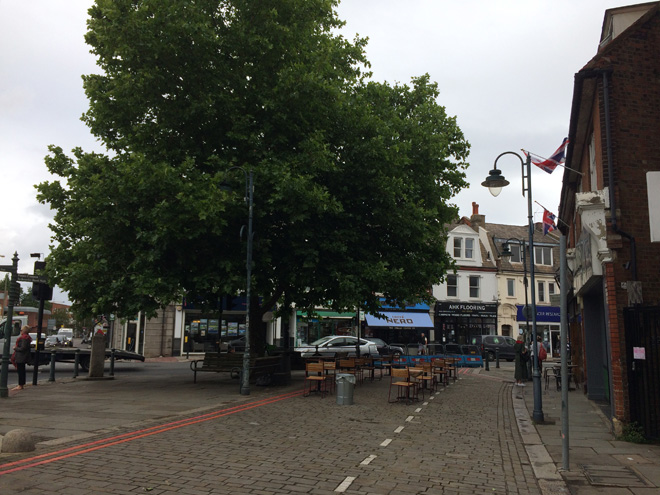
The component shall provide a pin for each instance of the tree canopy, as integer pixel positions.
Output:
(353, 178)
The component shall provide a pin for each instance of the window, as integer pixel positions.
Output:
(551, 288)
(511, 287)
(458, 247)
(452, 286)
(469, 248)
(542, 256)
(541, 292)
(474, 287)
(463, 249)
(516, 256)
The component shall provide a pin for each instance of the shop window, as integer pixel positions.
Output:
(474, 287)
(452, 286)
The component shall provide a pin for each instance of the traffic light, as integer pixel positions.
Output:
(41, 292)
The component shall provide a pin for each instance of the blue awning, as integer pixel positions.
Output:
(400, 319)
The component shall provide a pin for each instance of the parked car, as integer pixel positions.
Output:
(333, 345)
(385, 349)
(490, 344)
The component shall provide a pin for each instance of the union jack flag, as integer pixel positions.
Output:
(548, 222)
(557, 158)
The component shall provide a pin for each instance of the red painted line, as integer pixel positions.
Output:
(134, 435)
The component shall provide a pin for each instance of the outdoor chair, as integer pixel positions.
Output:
(315, 379)
(405, 388)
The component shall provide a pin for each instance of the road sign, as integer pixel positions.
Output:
(6, 268)
(26, 277)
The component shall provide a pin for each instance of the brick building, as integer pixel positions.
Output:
(609, 212)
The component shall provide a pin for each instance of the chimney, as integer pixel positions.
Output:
(477, 220)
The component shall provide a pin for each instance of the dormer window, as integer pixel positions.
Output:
(463, 248)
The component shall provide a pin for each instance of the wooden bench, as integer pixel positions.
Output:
(232, 363)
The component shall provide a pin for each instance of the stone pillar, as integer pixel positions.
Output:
(97, 357)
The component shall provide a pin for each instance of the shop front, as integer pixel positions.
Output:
(311, 327)
(400, 326)
(547, 324)
(207, 331)
(457, 322)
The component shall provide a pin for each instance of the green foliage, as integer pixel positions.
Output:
(633, 433)
(352, 178)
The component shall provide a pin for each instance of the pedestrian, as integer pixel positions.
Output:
(522, 357)
(423, 344)
(22, 355)
(542, 353)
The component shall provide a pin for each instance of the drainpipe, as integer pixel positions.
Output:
(610, 171)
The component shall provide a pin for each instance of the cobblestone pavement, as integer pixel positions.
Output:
(462, 440)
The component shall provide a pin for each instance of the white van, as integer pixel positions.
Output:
(67, 333)
(15, 330)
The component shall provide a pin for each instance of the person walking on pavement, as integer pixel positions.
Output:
(22, 355)
(423, 344)
(522, 357)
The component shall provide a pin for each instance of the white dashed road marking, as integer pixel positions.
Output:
(343, 486)
(399, 429)
(367, 460)
(386, 442)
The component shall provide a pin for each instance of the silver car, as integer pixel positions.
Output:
(332, 345)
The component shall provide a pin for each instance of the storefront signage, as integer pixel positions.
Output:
(550, 314)
(400, 319)
(484, 310)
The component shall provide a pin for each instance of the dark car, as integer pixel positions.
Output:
(492, 344)
(385, 349)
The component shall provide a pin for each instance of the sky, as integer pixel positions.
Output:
(504, 69)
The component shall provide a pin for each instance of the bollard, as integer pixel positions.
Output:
(497, 358)
(76, 363)
(51, 378)
(487, 360)
(112, 362)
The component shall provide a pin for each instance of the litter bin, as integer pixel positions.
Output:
(345, 385)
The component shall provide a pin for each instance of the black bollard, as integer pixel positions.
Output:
(497, 358)
(51, 378)
(487, 360)
(76, 363)
(112, 363)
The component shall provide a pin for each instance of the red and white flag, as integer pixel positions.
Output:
(550, 164)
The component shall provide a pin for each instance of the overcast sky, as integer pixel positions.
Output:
(504, 68)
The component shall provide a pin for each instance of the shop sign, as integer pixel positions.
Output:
(483, 310)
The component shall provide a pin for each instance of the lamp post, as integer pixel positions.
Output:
(506, 253)
(249, 193)
(495, 182)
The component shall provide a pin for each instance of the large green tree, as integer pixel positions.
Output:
(353, 178)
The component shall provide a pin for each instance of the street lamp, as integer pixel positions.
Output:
(495, 182)
(249, 193)
(507, 253)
